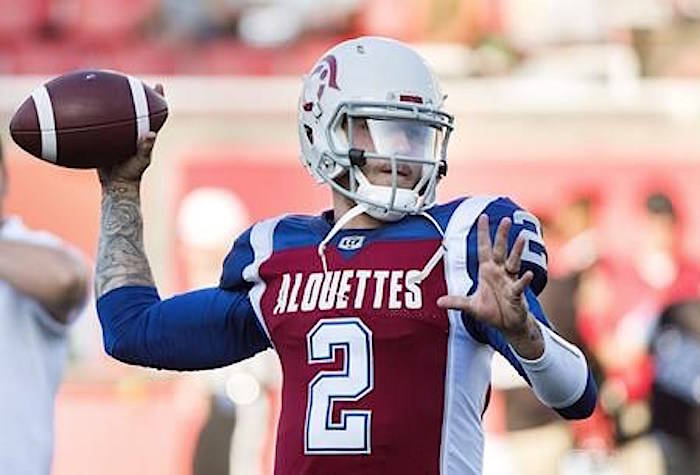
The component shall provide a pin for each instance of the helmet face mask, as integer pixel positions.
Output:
(392, 120)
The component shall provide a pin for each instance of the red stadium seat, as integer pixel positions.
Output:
(230, 56)
(147, 57)
(107, 21)
(226, 57)
(41, 57)
(21, 20)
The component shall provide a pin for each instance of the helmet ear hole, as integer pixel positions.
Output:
(309, 134)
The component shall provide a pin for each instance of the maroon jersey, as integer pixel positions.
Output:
(376, 378)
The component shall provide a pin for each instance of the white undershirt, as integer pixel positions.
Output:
(33, 351)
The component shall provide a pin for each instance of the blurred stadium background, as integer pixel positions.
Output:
(584, 111)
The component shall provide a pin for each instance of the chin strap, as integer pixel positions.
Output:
(344, 219)
(361, 208)
(437, 256)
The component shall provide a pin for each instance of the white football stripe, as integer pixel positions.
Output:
(47, 125)
(138, 94)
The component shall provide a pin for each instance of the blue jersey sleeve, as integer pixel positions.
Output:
(240, 257)
(524, 223)
(203, 329)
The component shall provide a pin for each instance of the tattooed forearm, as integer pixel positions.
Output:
(528, 343)
(121, 259)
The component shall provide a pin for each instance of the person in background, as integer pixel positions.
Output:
(662, 266)
(675, 399)
(622, 305)
(661, 274)
(43, 284)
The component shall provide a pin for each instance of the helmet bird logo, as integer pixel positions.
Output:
(325, 74)
(326, 69)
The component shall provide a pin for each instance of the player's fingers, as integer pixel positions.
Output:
(455, 302)
(501, 242)
(514, 258)
(144, 150)
(159, 89)
(483, 239)
(524, 281)
(145, 145)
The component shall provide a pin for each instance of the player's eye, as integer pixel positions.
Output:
(414, 132)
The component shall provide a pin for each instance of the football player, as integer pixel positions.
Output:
(385, 310)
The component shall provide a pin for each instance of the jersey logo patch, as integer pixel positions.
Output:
(351, 243)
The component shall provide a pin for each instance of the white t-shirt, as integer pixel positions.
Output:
(33, 352)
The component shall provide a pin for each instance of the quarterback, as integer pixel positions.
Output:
(385, 310)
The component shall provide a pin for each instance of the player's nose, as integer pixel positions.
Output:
(400, 143)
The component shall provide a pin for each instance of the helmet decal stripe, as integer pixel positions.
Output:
(328, 68)
(411, 98)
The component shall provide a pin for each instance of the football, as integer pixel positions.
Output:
(87, 119)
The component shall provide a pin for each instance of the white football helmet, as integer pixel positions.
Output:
(386, 88)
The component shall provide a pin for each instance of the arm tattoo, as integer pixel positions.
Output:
(529, 343)
(121, 259)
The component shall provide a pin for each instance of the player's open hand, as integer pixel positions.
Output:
(131, 170)
(499, 298)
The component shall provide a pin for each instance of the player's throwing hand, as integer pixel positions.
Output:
(499, 299)
(131, 170)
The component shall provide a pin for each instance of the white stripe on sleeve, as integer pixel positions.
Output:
(261, 240)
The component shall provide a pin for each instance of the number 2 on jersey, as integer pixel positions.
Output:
(351, 434)
(538, 257)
